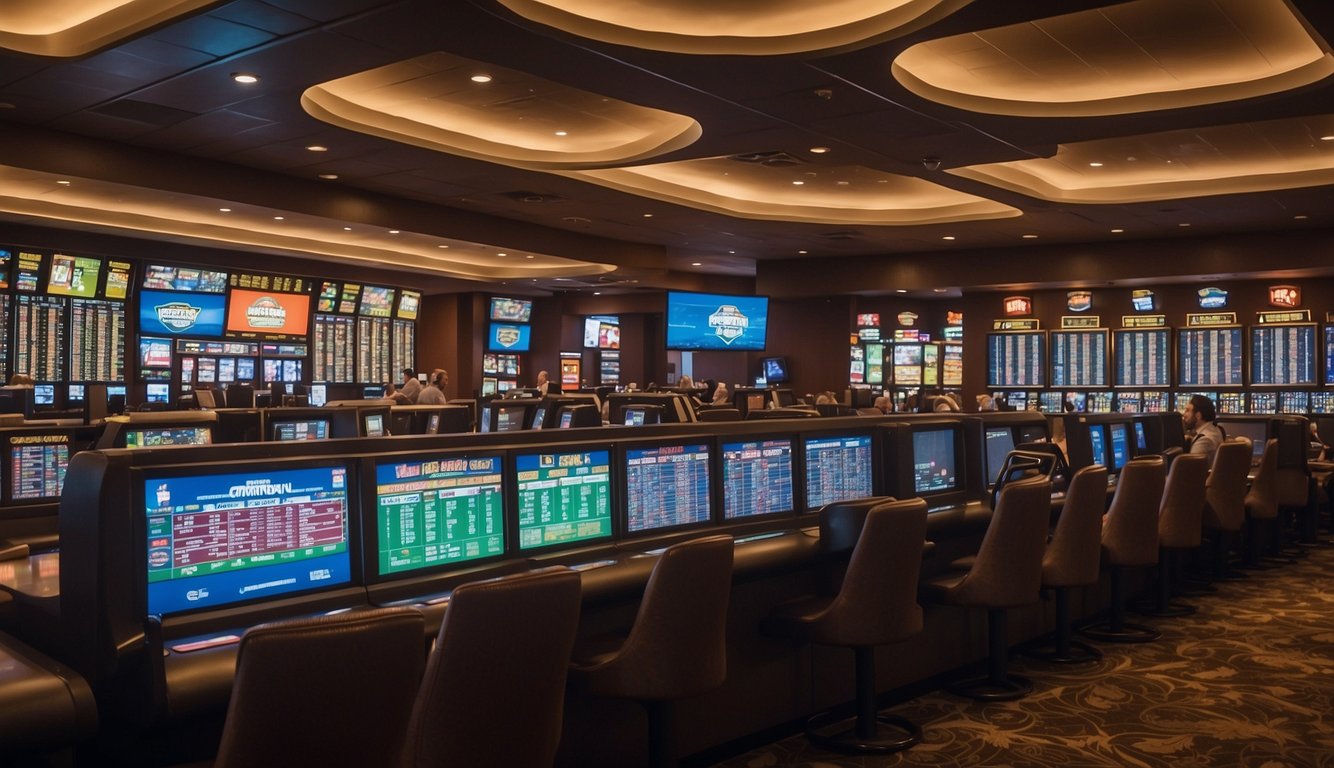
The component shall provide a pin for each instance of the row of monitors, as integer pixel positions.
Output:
(1264, 402)
(236, 532)
(1274, 355)
(47, 396)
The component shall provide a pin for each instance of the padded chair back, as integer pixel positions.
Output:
(1262, 499)
(494, 689)
(1008, 569)
(1225, 490)
(1071, 558)
(878, 601)
(1130, 532)
(677, 646)
(329, 691)
(1181, 514)
(720, 414)
(841, 523)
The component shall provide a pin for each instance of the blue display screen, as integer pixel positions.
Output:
(666, 486)
(181, 314)
(757, 478)
(214, 540)
(508, 337)
(999, 442)
(1099, 447)
(1141, 442)
(1120, 445)
(837, 468)
(714, 321)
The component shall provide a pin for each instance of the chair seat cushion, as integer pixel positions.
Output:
(942, 589)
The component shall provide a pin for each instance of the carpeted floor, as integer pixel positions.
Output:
(1248, 681)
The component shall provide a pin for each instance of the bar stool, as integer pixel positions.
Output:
(1180, 527)
(494, 691)
(876, 605)
(1071, 561)
(1007, 573)
(1130, 540)
(1225, 502)
(329, 691)
(677, 645)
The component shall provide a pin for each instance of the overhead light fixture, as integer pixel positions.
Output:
(947, 237)
(1300, 216)
(939, 290)
(245, 78)
(597, 293)
(279, 218)
(648, 215)
(696, 263)
(480, 77)
(1117, 231)
(1099, 165)
(1327, 138)
(819, 150)
(1030, 237)
(803, 253)
(562, 133)
(224, 210)
(442, 246)
(317, 148)
(1184, 224)
(798, 183)
(900, 290)
(393, 231)
(347, 229)
(530, 256)
(328, 176)
(502, 254)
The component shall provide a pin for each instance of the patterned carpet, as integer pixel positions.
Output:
(1246, 681)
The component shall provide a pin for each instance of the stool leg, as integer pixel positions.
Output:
(997, 684)
(1116, 629)
(661, 734)
(1163, 605)
(1064, 649)
(870, 731)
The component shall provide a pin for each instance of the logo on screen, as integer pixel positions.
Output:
(1078, 301)
(907, 318)
(177, 315)
(507, 336)
(1018, 305)
(266, 312)
(728, 323)
(1212, 298)
(1285, 295)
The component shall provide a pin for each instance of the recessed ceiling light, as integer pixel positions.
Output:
(900, 290)
(442, 246)
(279, 218)
(245, 78)
(317, 148)
(1184, 224)
(731, 251)
(1117, 231)
(648, 215)
(1300, 216)
(802, 252)
(328, 176)
(1030, 237)
(64, 182)
(597, 293)
(939, 290)
(394, 231)
(225, 210)
(696, 263)
(562, 133)
(347, 229)
(947, 237)
(502, 254)
(843, 183)
(819, 150)
(798, 183)
(1095, 165)
(480, 77)
(530, 256)
(1327, 138)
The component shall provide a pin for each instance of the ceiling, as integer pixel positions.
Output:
(608, 146)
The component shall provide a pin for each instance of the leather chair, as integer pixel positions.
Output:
(1071, 561)
(328, 691)
(720, 414)
(841, 525)
(494, 690)
(1130, 540)
(1180, 527)
(1225, 501)
(876, 605)
(1262, 508)
(676, 647)
(1006, 573)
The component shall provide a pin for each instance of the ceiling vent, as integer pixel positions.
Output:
(531, 198)
(770, 159)
(144, 112)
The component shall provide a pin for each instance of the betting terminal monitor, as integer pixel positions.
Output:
(1120, 449)
(639, 415)
(758, 477)
(1322, 402)
(34, 465)
(156, 392)
(1263, 403)
(199, 527)
(319, 395)
(667, 485)
(838, 466)
(563, 496)
(997, 442)
(433, 512)
(375, 422)
(284, 430)
(1257, 430)
(1294, 402)
(511, 416)
(1141, 437)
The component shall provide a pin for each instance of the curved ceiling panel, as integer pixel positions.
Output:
(1121, 59)
(841, 195)
(451, 104)
(1229, 159)
(752, 29)
(76, 27)
(191, 218)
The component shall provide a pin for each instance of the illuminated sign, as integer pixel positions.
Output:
(1285, 296)
(728, 323)
(907, 318)
(1212, 298)
(1079, 301)
(1018, 305)
(1143, 300)
(271, 314)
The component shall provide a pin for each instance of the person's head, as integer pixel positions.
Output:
(687, 383)
(884, 404)
(823, 399)
(408, 373)
(986, 403)
(389, 389)
(720, 395)
(440, 377)
(1198, 411)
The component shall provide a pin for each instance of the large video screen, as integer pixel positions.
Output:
(1079, 358)
(436, 511)
(712, 321)
(602, 332)
(1283, 355)
(666, 486)
(158, 437)
(218, 539)
(511, 310)
(508, 337)
(1016, 359)
(1209, 357)
(73, 276)
(838, 467)
(181, 314)
(757, 478)
(376, 301)
(268, 314)
(564, 497)
(1143, 357)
